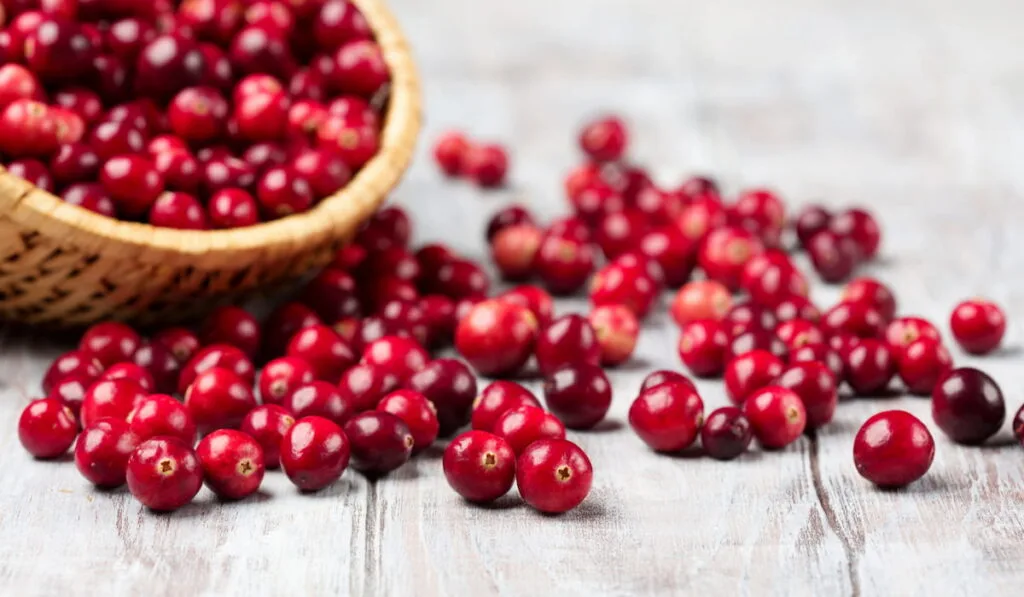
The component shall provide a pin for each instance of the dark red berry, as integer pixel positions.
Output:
(628, 285)
(924, 363)
(71, 363)
(868, 367)
(380, 442)
(281, 376)
(324, 350)
(268, 424)
(416, 412)
(513, 215)
(526, 424)
(811, 220)
(159, 361)
(486, 165)
(161, 415)
(318, 399)
(750, 372)
(859, 226)
(579, 394)
(232, 463)
(816, 386)
(893, 448)
(115, 399)
(233, 326)
(219, 399)
(858, 319)
(553, 475)
(364, 385)
(777, 416)
(314, 453)
(496, 399)
(831, 256)
(568, 340)
(667, 417)
(110, 343)
(164, 473)
(450, 386)
(479, 466)
(221, 356)
(726, 433)
(283, 323)
(968, 406)
(102, 452)
(872, 292)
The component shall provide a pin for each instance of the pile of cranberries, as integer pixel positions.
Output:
(200, 114)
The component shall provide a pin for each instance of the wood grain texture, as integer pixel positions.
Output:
(912, 108)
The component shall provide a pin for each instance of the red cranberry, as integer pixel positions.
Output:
(314, 453)
(811, 220)
(232, 463)
(219, 173)
(758, 265)
(160, 415)
(164, 473)
(361, 68)
(197, 114)
(620, 231)
(74, 162)
(324, 350)
(325, 171)
(479, 466)
(268, 424)
(725, 251)
(282, 192)
(219, 399)
(354, 139)
(110, 343)
(604, 139)
(700, 300)
(868, 367)
(578, 394)
(17, 82)
(47, 428)
(534, 298)
(178, 210)
(380, 442)
(59, 50)
(270, 15)
(860, 226)
(902, 331)
(460, 278)
(283, 323)
(923, 363)
(496, 399)
(594, 200)
(496, 337)
(167, 64)
(858, 319)
(776, 284)
(233, 326)
(762, 212)
(700, 217)
(73, 363)
(513, 251)
(893, 449)
(416, 412)
(797, 307)
(978, 326)
(116, 399)
(102, 452)
(255, 49)
(336, 22)
(281, 376)
(263, 116)
(968, 406)
(673, 252)
(512, 215)
(180, 171)
(755, 340)
(486, 165)
(797, 333)
(873, 293)
(629, 286)
(34, 172)
(656, 378)
(843, 343)
(364, 385)
(821, 353)
(31, 129)
(91, 197)
(750, 372)
(217, 355)
(71, 391)
(320, 399)
(726, 433)
(667, 417)
(553, 475)
(567, 340)
(526, 424)
(831, 257)
(816, 385)
(702, 347)
(451, 388)
(161, 365)
(332, 294)
(450, 151)
(400, 357)
(564, 264)
(617, 330)
(126, 38)
(1018, 425)
(777, 416)
(132, 182)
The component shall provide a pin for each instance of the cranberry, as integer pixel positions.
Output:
(361, 68)
(761, 212)
(270, 15)
(604, 139)
(416, 412)
(332, 294)
(336, 22)
(553, 475)
(656, 378)
(816, 385)
(258, 50)
(534, 298)
(73, 363)
(668, 416)
(673, 252)
(74, 162)
(565, 341)
(219, 399)
(797, 333)
(233, 326)
(776, 284)
(726, 433)
(777, 416)
(512, 215)
(821, 353)
(110, 343)
(232, 463)
(893, 449)
(579, 394)
(620, 231)
(564, 264)
(451, 388)
(320, 399)
(132, 182)
(968, 406)
(459, 278)
(325, 171)
(702, 347)
(439, 319)
(700, 217)
(701, 299)
(178, 210)
(324, 350)
(593, 200)
(978, 326)
(160, 415)
(164, 473)
(32, 171)
(873, 293)
(450, 151)
(843, 343)
(902, 331)
(126, 38)
(1018, 425)
(31, 129)
(583, 175)
(263, 116)
(811, 220)
(617, 330)
(752, 339)
(526, 424)
(868, 367)
(47, 428)
(380, 442)
(513, 250)
(281, 376)
(750, 372)
(91, 197)
(58, 50)
(860, 226)
(496, 337)
(283, 323)
(746, 317)
(219, 173)
(797, 307)
(923, 363)
(282, 192)
(167, 64)
(161, 364)
(354, 139)
(221, 356)
(479, 466)
(831, 257)
(314, 453)
(180, 171)
(399, 356)
(71, 391)
(486, 164)
(102, 452)
(725, 251)
(268, 424)
(115, 398)
(629, 286)
(858, 319)
(17, 82)
(496, 399)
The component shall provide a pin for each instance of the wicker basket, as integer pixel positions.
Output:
(65, 266)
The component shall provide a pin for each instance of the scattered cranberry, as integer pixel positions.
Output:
(821, 353)
(110, 343)
(219, 399)
(161, 365)
(753, 339)
(116, 399)
(797, 333)
(318, 399)
(726, 433)
(102, 452)
(924, 363)
(450, 386)
(459, 278)
(831, 257)
(750, 372)
(797, 307)
(968, 406)
(526, 424)
(978, 326)
(314, 453)
(859, 226)
(513, 215)
(283, 323)
(450, 151)
(858, 319)
(656, 378)
(902, 331)
(220, 356)
(667, 417)
(495, 400)
(513, 250)
(868, 367)
(479, 466)
(816, 386)
(811, 220)
(578, 394)
(416, 412)
(323, 349)
(617, 330)
(604, 139)
(132, 372)
(486, 165)
(701, 300)
(554, 475)
(268, 424)
(746, 316)
(364, 385)
(725, 251)
(777, 416)
(534, 298)
(71, 391)
(874, 293)
(893, 449)
(233, 326)
(628, 285)
(398, 356)
(380, 442)
(160, 415)
(281, 376)
(47, 428)
(232, 463)
(164, 473)
(703, 346)
(564, 264)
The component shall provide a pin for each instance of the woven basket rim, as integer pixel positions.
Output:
(331, 217)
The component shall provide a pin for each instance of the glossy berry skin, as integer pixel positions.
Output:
(568, 340)
(702, 347)
(672, 251)
(364, 385)
(777, 416)
(416, 412)
(554, 475)
(513, 215)
(978, 326)
(750, 372)
(868, 367)
(754, 340)
(876, 294)
(219, 399)
(859, 226)
(268, 424)
(281, 376)
(495, 400)
(700, 300)
(479, 466)
(831, 257)
(1018, 425)
(816, 386)
(513, 250)
(161, 365)
(486, 165)
(893, 449)
(116, 398)
(564, 264)
(858, 319)
(759, 211)
(182, 342)
(534, 298)
(320, 399)
(811, 220)
(902, 331)
(110, 343)
(496, 337)
(73, 363)
(667, 417)
(579, 395)
(232, 463)
(398, 356)
(132, 182)
(233, 326)
(380, 442)
(797, 333)
(102, 452)
(924, 362)
(314, 453)
(164, 474)
(604, 139)
(619, 232)
(656, 378)
(450, 152)
(726, 433)
(451, 387)
(71, 391)
(522, 426)
(324, 350)
(617, 331)
(220, 356)
(725, 251)
(630, 286)
(159, 415)
(47, 428)
(132, 372)
(797, 307)
(968, 406)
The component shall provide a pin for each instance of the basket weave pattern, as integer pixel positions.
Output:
(66, 266)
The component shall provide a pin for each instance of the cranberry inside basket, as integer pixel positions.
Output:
(161, 152)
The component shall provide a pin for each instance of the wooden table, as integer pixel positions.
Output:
(914, 108)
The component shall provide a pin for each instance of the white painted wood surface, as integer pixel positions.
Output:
(914, 108)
